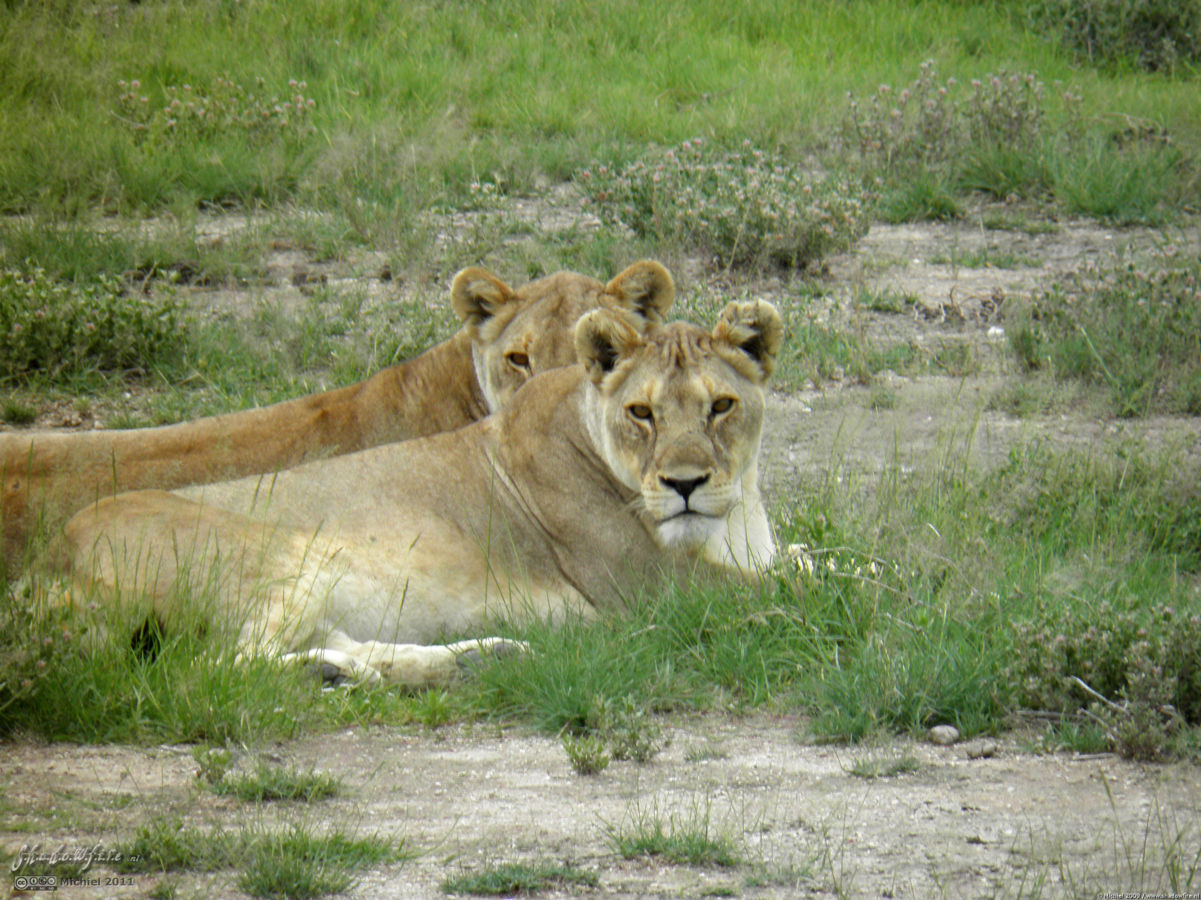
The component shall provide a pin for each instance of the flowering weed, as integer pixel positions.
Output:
(743, 208)
(184, 114)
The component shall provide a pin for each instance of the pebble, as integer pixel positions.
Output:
(981, 750)
(943, 735)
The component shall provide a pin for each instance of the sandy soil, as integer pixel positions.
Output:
(970, 821)
(464, 798)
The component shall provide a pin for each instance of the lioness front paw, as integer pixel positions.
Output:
(335, 669)
(471, 655)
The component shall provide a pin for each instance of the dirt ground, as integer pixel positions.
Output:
(975, 819)
(463, 798)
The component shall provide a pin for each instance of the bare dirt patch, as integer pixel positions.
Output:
(468, 797)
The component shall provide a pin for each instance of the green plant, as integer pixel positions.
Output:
(14, 412)
(49, 329)
(34, 641)
(930, 141)
(1151, 34)
(612, 729)
(587, 753)
(268, 783)
(1125, 186)
(295, 862)
(182, 113)
(434, 708)
(294, 865)
(166, 845)
(520, 878)
(214, 763)
(929, 126)
(1133, 328)
(690, 838)
(166, 889)
(872, 767)
(626, 727)
(744, 207)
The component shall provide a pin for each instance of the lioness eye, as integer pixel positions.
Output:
(518, 360)
(722, 405)
(640, 411)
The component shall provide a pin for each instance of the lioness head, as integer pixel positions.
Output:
(517, 334)
(677, 413)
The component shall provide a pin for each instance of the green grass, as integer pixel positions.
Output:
(1132, 328)
(72, 683)
(985, 258)
(296, 862)
(881, 626)
(269, 783)
(873, 767)
(520, 878)
(690, 838)
(222, 364)
(447, 95)
(887, 628)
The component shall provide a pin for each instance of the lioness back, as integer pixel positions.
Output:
(507, 337)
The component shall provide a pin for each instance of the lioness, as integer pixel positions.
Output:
(506, 337)
(595, 480)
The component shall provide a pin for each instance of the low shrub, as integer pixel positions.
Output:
(1155, 35)
(743, 207)
(54, 328)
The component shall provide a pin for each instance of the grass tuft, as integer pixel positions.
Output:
(689, 838)
(520, 878)
(269, 783)
(873, 767)
(295, 862)
(1133, 328)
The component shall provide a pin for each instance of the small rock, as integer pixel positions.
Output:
(981, 750)
(943, 735)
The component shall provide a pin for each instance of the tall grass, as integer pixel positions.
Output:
(411, 101)
(1132, 328)
(881, 623)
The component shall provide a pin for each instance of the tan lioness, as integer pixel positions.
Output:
(507, 336)
(592, 482)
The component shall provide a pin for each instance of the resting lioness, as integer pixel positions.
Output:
(594, 480)
(506, 337)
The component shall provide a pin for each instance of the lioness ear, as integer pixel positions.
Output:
(645, 288)
(754, 329)
(602, 338)
(477, 294)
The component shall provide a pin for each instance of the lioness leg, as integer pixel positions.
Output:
(410, 665)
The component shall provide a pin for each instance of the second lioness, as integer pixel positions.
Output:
(594, 482)
(507, 336)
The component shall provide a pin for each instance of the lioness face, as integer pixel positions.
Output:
(517, 334)
(678, 414)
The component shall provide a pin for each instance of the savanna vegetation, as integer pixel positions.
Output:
(754, 139)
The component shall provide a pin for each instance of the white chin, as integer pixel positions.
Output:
(689, 532)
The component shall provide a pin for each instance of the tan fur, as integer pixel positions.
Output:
(507, 336)
(567, 501)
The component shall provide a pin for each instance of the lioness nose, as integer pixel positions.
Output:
(684, 486)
